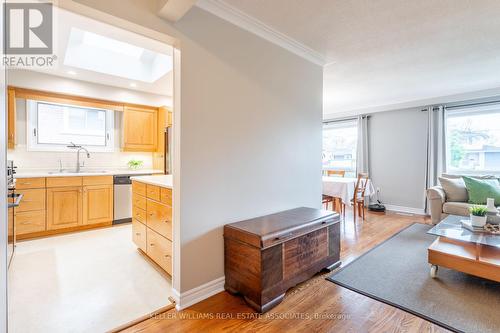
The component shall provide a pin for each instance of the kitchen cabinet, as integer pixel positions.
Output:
(11, 118)
(140, 129)
(54, 205)
(64, 207)
(152, 222)
(97, 204)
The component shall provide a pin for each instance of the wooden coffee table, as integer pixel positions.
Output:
(463, 250)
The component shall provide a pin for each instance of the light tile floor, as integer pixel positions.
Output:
(89, 281)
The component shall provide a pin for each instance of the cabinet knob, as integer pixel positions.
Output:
(167, 256)
(151, 214)
(137, 233)
(151, 244)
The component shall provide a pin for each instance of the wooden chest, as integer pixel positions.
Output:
(267, 255)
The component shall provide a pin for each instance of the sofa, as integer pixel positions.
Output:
(450, 197)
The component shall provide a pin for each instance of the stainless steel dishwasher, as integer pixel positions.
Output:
(122, 198)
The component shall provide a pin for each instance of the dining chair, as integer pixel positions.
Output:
(337, 202)
(358, 200)
(326, 200)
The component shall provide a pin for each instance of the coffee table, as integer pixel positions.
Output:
(463, 250)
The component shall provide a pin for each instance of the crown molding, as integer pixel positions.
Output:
(237, 17)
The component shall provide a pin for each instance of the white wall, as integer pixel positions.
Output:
(250, 130)
(398, 152)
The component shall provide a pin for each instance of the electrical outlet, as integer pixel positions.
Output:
(378, 189)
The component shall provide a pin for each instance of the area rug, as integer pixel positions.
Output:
(397, 273)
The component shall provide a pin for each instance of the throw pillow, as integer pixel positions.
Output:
(455, 189)
(481, 189)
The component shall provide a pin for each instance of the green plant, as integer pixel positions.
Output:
(134, 164)
(478, 210)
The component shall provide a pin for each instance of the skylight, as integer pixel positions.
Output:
(97, 41)
(102, 54)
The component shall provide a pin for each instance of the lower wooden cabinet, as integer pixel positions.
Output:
(29, 222)
(64, 207)
(159, 249)
(152, 222)
(97, 204)
(61, 204)
(139, 234)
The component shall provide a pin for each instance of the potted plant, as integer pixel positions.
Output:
(478, 216)
(134, 164)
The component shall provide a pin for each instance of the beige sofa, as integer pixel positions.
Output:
(450, 197)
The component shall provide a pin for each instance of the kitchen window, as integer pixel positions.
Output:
(52, 126)
(339, 146)
(473, 139)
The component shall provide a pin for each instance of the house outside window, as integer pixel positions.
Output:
(473, 140)
(339, 146)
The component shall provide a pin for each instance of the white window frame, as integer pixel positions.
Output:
(345, 123)
(32, 130)
(473, 110)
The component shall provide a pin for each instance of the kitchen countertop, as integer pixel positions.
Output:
(52, 173)
(161, 180)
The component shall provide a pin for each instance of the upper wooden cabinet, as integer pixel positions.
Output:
(140, 129)
(11, 118)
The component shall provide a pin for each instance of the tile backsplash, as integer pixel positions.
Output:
(32, 160)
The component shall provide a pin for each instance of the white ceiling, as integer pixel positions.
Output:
(65, 21)
(384, 53)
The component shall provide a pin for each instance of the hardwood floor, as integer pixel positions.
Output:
(316, 305)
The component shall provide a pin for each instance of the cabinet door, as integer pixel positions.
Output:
(11, 118)
(97, 204)
(64, 207)
(140, 129)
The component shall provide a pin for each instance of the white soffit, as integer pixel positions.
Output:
(235, 16)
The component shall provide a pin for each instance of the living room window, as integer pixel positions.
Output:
(473, 139)
(339, 146)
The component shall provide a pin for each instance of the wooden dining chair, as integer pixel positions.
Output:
(338, 173)
(358, 200)
(326, 200)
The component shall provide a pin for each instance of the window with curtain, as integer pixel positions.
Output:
(339, 146)
(473, 139)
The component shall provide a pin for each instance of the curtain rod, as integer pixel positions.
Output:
(472, 104)
(344, 119)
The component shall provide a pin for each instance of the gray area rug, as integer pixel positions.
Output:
(397, 273)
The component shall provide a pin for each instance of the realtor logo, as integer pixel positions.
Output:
(28, 28)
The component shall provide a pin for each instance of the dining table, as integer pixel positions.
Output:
(343, 188)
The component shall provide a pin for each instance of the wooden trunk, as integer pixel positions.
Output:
(267, 255)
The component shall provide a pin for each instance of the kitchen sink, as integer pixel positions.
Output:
(71, 171)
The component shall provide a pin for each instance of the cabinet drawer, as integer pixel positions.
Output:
(166, 196)
(138, 188)
(23, 183)
(159, 218)
(28, 222)
(160, 250)
(32, 200)
(64, 181)
(153, 192)
(98, 180)
(139, 214)
(139, 201)
(139, 234)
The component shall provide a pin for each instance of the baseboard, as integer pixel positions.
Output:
(198, 294)
(403, 209)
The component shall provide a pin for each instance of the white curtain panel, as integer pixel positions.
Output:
(436, 147)
(362, 158)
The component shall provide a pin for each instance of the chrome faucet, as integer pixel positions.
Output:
(78, 149)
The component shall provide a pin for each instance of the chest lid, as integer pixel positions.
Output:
(271, 229)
